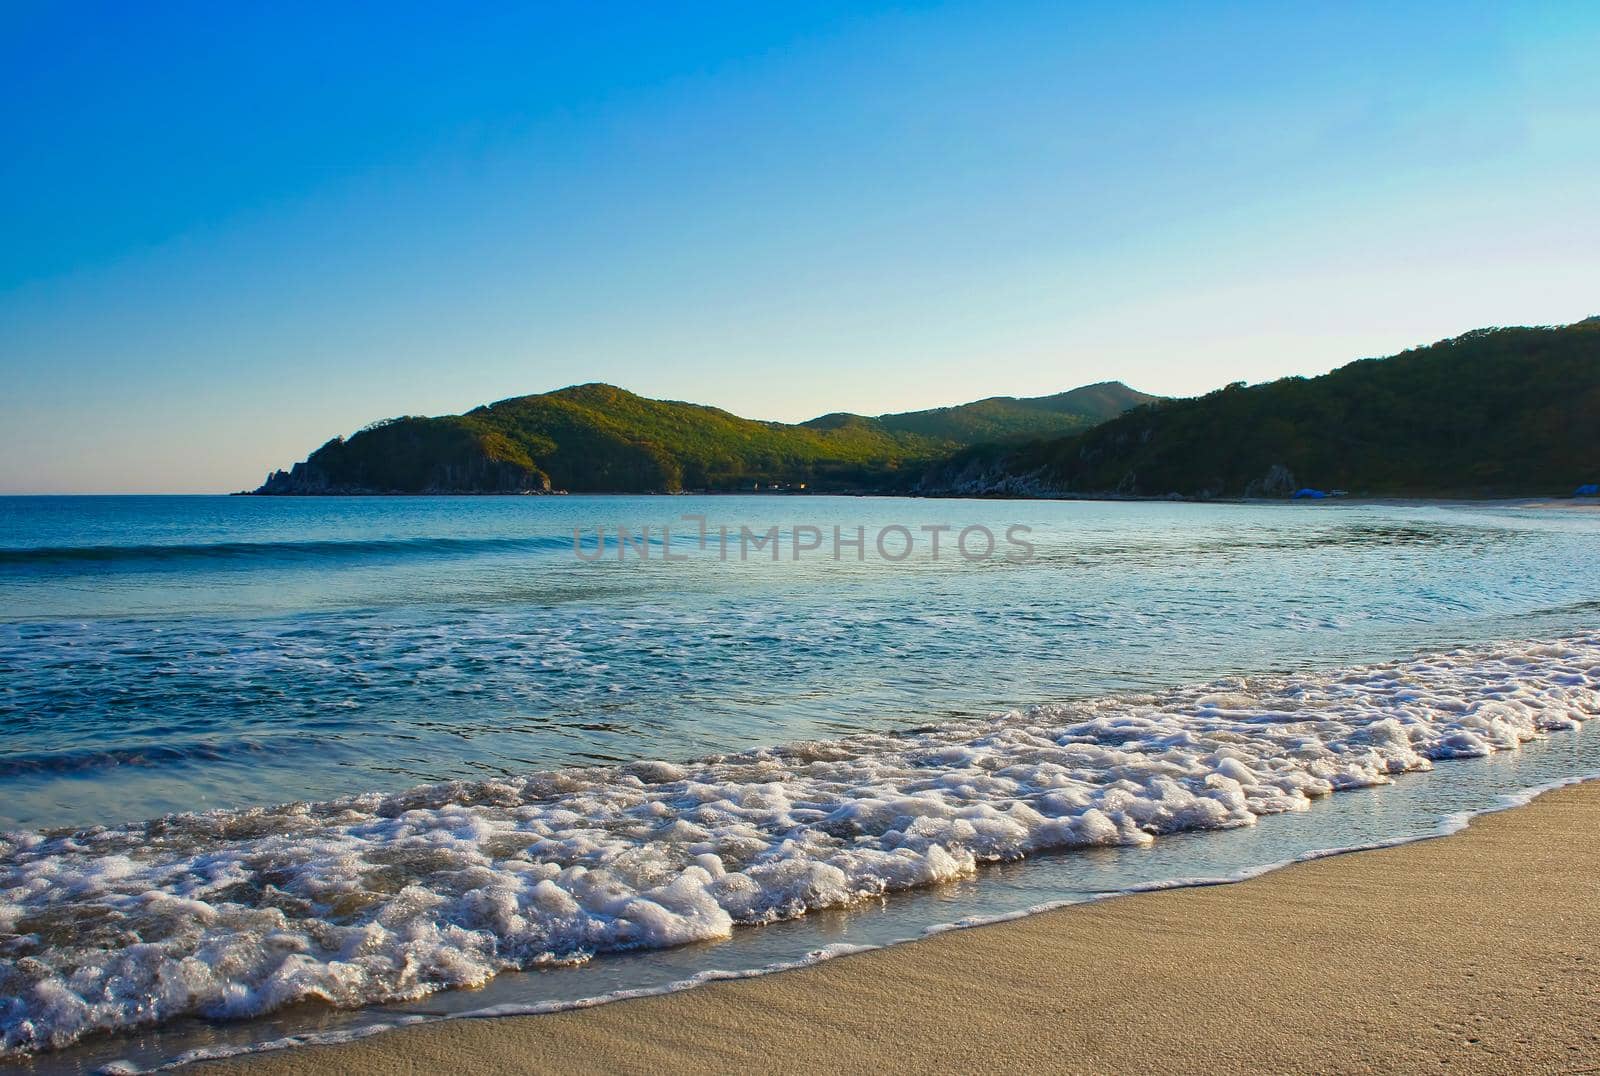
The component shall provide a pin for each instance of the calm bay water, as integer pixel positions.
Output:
(190, 653)
(226, 721)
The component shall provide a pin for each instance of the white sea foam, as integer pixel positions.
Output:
(1452, 823)
(371, 898)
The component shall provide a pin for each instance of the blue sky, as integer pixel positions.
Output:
(233, 231)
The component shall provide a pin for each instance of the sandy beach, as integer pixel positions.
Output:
(1474, 952)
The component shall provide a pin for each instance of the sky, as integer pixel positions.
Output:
(229, 232)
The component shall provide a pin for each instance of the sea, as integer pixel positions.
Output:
(289, 770)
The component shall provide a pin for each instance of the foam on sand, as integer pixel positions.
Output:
(369, 898)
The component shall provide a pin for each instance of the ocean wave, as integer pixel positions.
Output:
(155, 755)
(371, 898)
(1363, 535)
(321, 548)
(1446, 826)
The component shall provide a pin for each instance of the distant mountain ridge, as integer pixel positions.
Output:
(1000, 418)
(600, 438)
(1493, 412)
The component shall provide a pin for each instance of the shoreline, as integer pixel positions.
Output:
(1471, 950)
(1418, 500)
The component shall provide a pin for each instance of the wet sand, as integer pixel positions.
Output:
(1477, 952)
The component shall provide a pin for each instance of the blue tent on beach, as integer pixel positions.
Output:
(1309, 494)
(1590, 490)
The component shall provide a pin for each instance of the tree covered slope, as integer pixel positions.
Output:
(1495, 412)
(599, 438)
(1002, 418)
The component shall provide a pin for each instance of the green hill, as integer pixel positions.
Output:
(1002, 418)
(599, 438)
(1496, 412)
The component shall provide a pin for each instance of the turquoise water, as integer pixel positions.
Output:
(182, 653)
(227, 721)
